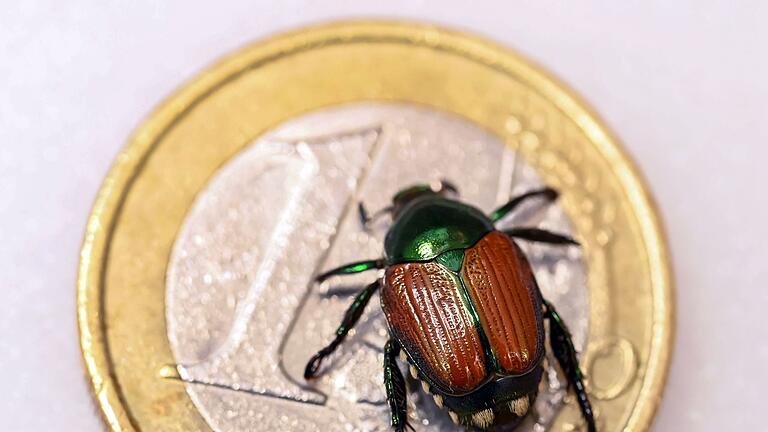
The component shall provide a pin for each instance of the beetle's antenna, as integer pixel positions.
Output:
(446, 185)
(364, 217)
(381, 212)
(367, 219)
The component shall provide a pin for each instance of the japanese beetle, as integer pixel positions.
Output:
(463, 308)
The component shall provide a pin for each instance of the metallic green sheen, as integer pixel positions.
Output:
(452, 259)
(431, 225)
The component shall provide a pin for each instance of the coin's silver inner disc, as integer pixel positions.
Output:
(243, 314)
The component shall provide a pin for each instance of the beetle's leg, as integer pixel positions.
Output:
(366, 218)
(351, 268)
(395, 385)
(547, 193)
(353, 314)
(562, 345)
(540, 236)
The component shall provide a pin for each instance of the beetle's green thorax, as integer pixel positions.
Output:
(428, 225)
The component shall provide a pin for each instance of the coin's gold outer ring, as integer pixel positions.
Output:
(106, 213)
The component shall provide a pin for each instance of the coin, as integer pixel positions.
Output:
(195, 297)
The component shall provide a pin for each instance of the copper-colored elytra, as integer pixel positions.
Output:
(503, 290)
(426, 312)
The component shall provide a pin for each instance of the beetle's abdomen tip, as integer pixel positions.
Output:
(483, 419)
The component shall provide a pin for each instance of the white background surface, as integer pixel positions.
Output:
(683, 84)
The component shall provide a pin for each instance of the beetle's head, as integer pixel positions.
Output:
(407, 195)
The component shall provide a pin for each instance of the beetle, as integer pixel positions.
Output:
(463, 309)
